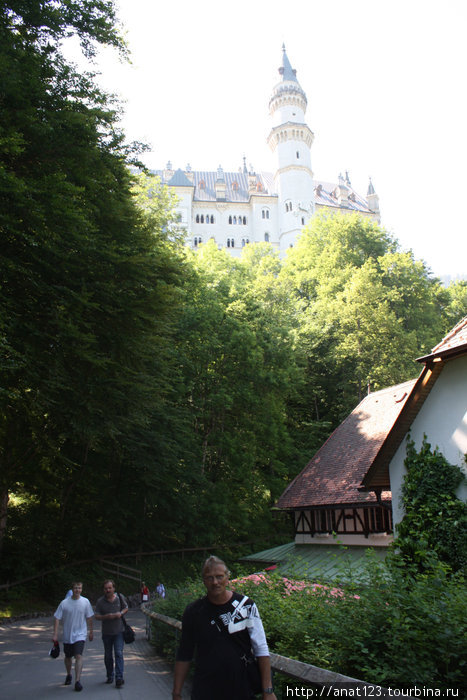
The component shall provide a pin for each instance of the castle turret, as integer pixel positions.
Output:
(372, 200)
(291, 139)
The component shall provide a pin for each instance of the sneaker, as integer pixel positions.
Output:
(78, 686)
(68, 679)
(119, 682)
(109, 679)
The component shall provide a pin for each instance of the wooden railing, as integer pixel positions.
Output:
(305, 673)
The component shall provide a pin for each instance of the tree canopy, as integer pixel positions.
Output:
(151, 394)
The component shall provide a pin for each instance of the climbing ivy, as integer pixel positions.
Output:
(435, 520)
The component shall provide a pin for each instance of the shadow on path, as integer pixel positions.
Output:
(27, 671)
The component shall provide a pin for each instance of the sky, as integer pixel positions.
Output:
(386, 88)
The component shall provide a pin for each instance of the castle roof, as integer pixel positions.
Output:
(240, 185)
(286, 70)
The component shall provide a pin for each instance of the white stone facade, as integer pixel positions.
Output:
(238, 208)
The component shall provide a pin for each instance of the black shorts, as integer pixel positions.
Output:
(75, 649)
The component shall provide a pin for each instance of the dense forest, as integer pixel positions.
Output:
(151, 396)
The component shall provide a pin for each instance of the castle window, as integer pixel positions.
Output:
(259, 187)
(212, 219)
(266, 237)
(202, 218)
(265, 213)
(303, 221)
(230, 219)
(197, 220)
(235, 219)
(244, 220)
(298, 154)
(232, 243)
(235, 186)
(243, 242)
(202, 185)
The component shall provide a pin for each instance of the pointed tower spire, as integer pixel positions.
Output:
(372, 201)
(286, 70)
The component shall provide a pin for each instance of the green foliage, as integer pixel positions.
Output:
(151, 396)
(396, 628)
(89, 297)
(364, 311)
(435, 520)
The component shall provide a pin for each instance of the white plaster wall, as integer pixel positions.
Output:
(375, 540)
(443, 419)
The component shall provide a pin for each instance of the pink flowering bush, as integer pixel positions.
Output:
(291, 585)
(394, 628)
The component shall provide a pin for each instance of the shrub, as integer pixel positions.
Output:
(396, 628)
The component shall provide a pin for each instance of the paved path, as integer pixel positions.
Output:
(27, 671)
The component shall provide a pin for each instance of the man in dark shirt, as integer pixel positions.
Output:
(224, 632)
(110, 608)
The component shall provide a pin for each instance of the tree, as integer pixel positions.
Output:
(89, 293)
(364, 310)
(238, 367)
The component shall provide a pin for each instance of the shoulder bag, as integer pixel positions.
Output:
(129, 635)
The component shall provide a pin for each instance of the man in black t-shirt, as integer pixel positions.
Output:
(223, 632)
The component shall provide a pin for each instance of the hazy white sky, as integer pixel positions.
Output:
(386, 88)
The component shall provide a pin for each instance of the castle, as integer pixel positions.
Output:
(237, 208)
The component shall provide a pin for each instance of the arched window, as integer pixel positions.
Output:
(244, 220)
(303, 221)
(230, 219)
(197, 219)
(235, 186)
(212, 219)
(232, 243)
(228, 242)
(202, 185)
(266, 237)
(235, 219)
(243, 242)
(298, 154)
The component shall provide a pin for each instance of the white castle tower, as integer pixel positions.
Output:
(291, 139)
(236, 208)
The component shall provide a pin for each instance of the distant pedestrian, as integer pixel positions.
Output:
(76, 613)
(144, 593)
(160, 590)
(110, 608)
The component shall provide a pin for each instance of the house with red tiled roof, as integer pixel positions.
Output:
(349, 492)
(326, 497)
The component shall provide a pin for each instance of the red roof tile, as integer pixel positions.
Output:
(335, 473)
(454, 339)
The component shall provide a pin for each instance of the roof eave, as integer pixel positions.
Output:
(377, 476)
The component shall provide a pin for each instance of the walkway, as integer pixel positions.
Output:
(27, 671)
